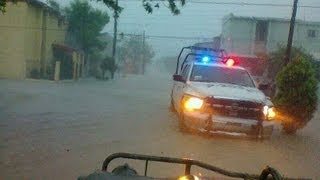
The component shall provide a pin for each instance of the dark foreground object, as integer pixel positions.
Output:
(126, 172)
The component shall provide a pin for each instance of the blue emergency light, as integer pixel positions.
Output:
(205, 59)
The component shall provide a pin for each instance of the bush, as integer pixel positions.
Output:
(276, 63)
(108, 64)
(316, 66)
(296, 99)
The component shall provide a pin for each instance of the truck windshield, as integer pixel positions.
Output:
(202, 73)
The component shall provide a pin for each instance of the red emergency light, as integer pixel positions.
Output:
(230, 61)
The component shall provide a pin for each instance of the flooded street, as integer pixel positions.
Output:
(64, 130)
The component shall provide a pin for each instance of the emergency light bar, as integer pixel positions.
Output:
(205, 59)
(230, 61)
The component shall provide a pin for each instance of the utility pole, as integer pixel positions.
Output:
(143, 52)
(115, 31)
(291, 31)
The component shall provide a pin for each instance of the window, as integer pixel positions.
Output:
(311, 33)
(221, 75)
(185, 72)
(261, 31)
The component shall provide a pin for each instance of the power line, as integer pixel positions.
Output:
(120, 34)
(167, 37)
(130, 34)
(235, 3)
(250, 4)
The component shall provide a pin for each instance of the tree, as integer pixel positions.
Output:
(134, 54)
(54, 5)
(108, 64)
(148, 5)
(84, 26)
(276, 63)
(296, 99)
(3, 4)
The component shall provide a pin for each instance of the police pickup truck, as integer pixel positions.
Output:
(212, 94)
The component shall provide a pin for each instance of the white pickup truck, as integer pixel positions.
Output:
(216, 96)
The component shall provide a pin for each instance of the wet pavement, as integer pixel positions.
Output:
(63, 130)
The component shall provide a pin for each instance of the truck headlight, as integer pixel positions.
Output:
(193, 103)
(269, 112)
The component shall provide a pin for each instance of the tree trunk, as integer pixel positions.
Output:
(86, 63)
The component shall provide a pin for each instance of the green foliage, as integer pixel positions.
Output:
(276, 60)
(85, 24)
(94, 66)
(316, 66)
(108, 64)
(149, 5)
(296, 99)
(112, 5)
(54, 5)
(3, 4)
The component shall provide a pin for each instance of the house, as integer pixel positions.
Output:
(30, 34)
(258, 35)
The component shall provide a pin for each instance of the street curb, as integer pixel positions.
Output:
(51, 81)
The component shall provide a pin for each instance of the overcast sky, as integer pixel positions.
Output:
(196, 20)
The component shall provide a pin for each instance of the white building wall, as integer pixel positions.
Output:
(310, 44)
(278, 35)
(238, 36)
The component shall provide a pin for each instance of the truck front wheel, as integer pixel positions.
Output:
(290, 128)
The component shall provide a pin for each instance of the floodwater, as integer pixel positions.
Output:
(63, 130)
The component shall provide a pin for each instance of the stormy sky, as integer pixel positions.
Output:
(197, 21)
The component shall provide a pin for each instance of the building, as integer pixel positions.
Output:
(257, 35)
(30, 33)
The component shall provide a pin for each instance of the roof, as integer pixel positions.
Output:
(272, 19)
(42, 5)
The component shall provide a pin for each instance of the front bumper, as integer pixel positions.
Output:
(199, 120)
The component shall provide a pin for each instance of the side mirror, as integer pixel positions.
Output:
(263, 86)
(178, 77)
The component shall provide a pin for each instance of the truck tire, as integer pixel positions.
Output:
(289, 128)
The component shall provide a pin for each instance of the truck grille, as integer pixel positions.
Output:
(236, 108)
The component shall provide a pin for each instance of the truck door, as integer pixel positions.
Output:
(179, 87)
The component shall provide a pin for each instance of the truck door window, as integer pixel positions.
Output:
(185, 72)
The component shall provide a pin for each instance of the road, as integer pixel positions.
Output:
(63, 130)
